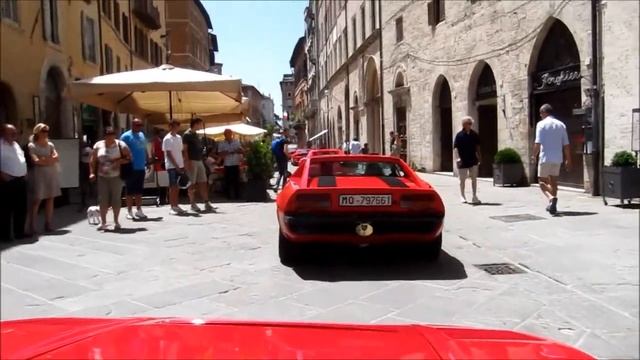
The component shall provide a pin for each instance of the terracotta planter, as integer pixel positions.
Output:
(621, 182)
(508, 174)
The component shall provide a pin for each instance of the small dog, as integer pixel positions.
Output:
(93, 215)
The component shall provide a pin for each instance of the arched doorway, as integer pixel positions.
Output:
(8, 108)
(442, 126)
(400, 95)
(484, 97)
(356, 116)
(555, 79)
(372, 103)
(54, 86)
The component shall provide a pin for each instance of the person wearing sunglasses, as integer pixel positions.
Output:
(44, 180)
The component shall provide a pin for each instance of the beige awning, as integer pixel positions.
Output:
(145, 92)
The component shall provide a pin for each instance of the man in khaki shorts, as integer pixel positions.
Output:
(550, 144)
(193, 154)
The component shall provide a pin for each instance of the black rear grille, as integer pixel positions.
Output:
(346, 224)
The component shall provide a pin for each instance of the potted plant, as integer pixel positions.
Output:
(621, 179)
(507, 168)
(259, 171)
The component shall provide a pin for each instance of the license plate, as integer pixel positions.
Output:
(365, 200)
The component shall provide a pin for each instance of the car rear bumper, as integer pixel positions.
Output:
(342, 228)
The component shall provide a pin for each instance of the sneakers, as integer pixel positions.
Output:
(463, 199)
(196, 208)
(208, 207)
(130, 216)
(475, 201)
(140, 215)
(103, 227)
(552, 208)
(176, 210)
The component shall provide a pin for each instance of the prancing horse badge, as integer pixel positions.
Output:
(364, 229)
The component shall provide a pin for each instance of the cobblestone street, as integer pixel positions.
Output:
(579, 283)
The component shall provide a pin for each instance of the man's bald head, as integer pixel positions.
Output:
(8, 132)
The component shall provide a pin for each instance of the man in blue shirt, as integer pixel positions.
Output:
(279, 151)
(134, 183)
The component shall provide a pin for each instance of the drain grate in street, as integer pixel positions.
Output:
(501, 269)
(516, 218)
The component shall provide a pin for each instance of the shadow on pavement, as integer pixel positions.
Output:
(487, 204)
(126, 230)
(58, 232)
(379, 265)
(575, 213)
(632, 206)
(6, 245)
(149, 219)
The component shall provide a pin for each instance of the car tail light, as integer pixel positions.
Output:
(419, 202)
(311, 202)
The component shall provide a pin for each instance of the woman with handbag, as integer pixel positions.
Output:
(44, 180)
(108, 157)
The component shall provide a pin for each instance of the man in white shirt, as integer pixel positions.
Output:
(550, 144)
(13, 185)
(354, 147)
(174, 163)
(231, 151)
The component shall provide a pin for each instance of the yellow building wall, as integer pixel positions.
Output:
(25, 57)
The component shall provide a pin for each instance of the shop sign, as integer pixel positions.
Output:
(558, 78)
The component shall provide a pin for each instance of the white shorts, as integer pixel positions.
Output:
(548, 169)
(465, 173)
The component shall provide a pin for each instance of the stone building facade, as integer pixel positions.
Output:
(190, 42)
(498, 61)
(287, 89)
(349, 69)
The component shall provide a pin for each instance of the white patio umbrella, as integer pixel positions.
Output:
(163, 90)
(241, 129)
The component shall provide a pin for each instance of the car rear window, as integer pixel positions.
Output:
(355, 168)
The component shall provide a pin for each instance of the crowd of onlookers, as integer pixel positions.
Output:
(30, 175)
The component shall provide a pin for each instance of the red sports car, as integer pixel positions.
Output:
(358, 199)
(297, 155)
(174, 338)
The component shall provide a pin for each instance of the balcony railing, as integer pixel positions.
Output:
(147, 13)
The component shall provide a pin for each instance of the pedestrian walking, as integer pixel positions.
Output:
(231, 152)
(392, 141)
(550, 144)
(467, 149)
(396, 146)
(107, 158)
(355, 147)
(280, 154)
(174, 163)
(85, 186)
(44, 180)
(13, 185)
(346, 147)
(193, 154)
(134, 180)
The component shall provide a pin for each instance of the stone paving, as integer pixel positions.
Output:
(580, 283)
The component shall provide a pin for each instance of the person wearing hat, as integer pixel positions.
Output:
(107, 157)
(174, 163)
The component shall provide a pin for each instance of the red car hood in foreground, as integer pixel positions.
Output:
(172, 338)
